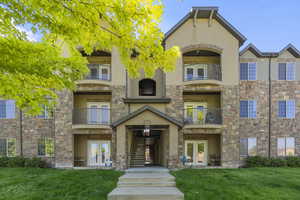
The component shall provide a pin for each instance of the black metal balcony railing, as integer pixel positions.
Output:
(197, 78)
(203, 116)
(92, 116)
(212, 72)
(102, 77)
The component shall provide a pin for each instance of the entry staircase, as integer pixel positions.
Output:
(137, 154)
(152, 183)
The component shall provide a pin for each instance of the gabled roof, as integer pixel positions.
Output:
(205, 12)
(292, 49)
(252, 48)
(143, 109)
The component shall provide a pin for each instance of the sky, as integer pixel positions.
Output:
(269, 24)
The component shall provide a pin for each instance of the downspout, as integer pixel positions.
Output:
(21, 133)
(270, 107)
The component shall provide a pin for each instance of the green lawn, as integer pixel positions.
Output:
(260, 183)
(54, 184)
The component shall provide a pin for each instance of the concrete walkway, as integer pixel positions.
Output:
(149, 183)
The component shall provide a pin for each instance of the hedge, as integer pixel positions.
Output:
(258, 161)
(22, 162)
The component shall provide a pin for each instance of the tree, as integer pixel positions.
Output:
(31, 72)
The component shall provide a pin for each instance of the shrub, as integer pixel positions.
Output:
(16, 162)
(22, 162)
(3, 161)
(35, 162)
(258, 161)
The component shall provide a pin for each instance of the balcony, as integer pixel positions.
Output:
(99, 74)
(91, 118)
(203, 117)
(202, 74)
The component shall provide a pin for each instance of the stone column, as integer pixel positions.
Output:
(121, 157)
(173, 147)
(230, 134)
(64, 154)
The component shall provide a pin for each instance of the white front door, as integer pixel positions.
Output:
(98, 152)
(98, 113)
(196, 152)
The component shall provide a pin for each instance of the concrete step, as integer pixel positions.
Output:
(146, 184)
(153, 177)
(146, 193)
(147, 170)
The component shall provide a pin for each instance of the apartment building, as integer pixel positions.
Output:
(217, 107)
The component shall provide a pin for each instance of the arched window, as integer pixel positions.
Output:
(147, 87)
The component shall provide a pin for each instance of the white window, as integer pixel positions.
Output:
(196, 152)
(248, 109)
(44, 113)
(98, 113)
(286, 71)
(248, 147)
(286, 146)
(248, 71)
(7, 109)
(195, 72)
(99, 153)
(46, 147)
(99, 72)
(8, 147)
(286, 109)
(195, 113)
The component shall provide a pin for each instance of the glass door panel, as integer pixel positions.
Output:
(93, 116)
(196, 152)
(199, 114)
(190, 152)
(200, 153)
(98, 153)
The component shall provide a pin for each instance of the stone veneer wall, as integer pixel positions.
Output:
(33, 130)
(64, 153)
(259, 126)
(280, 127)
(10, 128)
(230, 135)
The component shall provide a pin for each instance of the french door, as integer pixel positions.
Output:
(98, 113)
(195, 112)
(196, 152)
(98, 152)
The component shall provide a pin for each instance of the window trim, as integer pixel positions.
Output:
(247, 139)
(286, 109)
(285, 140)
(248, 109)
(195, 68)
(99, 106)
(99, 67)
(9, 115)
(286, 71)
(248, 71)
(7, 140)
(196, 142)
(46, 154)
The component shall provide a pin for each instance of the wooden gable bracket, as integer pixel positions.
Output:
(210, 18)
(195, 17)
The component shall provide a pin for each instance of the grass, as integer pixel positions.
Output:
(231, 184)
(54, 184)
